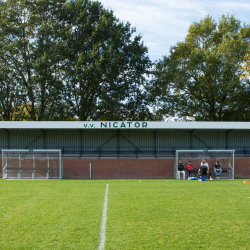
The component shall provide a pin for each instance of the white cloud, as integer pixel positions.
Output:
(163, 23)
(233, 5)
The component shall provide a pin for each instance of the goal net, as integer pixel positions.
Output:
(31, 164)
(224, 157)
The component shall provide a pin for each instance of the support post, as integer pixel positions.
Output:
(34, 163)
(60, 165)
(8, 139)
(158, 145)
(3, 166)
(19, 171)
(90, 171)
(19, 161)
(176, 164)
(118, 143)
(44, 139)
(78, 142)
(155, 144)
(233, 165)
(47, 174)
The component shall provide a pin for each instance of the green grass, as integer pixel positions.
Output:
(50, 214)
(151, 214)
(172, 214)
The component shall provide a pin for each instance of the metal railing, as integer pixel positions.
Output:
(137, 151)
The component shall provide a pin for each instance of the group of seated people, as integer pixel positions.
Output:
(203, 170)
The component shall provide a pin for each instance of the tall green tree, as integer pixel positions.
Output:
(70, 60)
(31, 50)
(105, 64)
(9, 81)
(10, 99)
(201, 79)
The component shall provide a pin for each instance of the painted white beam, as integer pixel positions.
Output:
(122, 125)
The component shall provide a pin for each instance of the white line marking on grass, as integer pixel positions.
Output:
(104, 220)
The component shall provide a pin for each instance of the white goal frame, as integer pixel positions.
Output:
(205, 154)
(50, 164)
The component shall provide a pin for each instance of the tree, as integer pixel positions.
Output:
(9, 87)
(201, 77)
(70, 59)
(30, 50)
(104, 65)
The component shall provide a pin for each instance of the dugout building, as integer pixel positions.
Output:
(129, 149)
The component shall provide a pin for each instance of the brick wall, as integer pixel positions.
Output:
(134, 168)
(118, 168)
(242, 167)
(131, 168)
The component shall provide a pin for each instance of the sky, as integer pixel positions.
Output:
(163, 23)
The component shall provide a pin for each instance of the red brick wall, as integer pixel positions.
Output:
(132, 168)
(242, 167)
(118, 168)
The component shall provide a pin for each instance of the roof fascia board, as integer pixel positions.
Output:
(122, 125)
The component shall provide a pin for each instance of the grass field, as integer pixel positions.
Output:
(151, 214)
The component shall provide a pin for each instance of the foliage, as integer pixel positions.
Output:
(201, 77)
(67, 59)
(103, 76)
(30, 48)
(246, 67)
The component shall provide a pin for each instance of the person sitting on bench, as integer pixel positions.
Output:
(217, 169)
(190, 169)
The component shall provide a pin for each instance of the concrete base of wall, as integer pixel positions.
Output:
(131, 168)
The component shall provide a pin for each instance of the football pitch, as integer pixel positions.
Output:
(146, 214)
